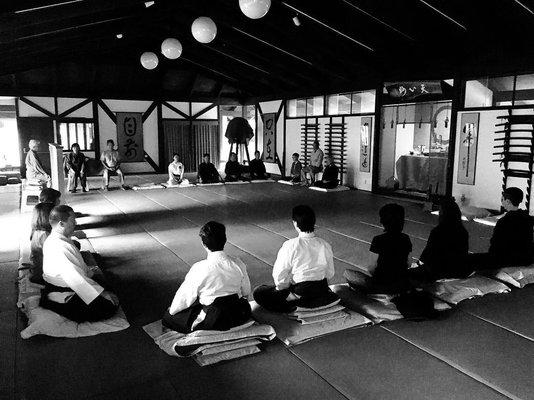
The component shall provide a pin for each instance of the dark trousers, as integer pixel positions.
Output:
(367, 284)
(232, 178)
(311, 294)
(209, 179)
(224, 313)
(73, 179)
(326, 185)
(75, 308)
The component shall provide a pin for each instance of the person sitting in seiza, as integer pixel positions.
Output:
(213, 295)
(207, 173)
(176, 171)
(69, 289)
(302, 269)
(257, 167)
(330, 177)
(232, 169)
(34, 167)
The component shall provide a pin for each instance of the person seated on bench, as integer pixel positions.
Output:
(511, 242)
(296, 169)
(213, 295)
(34, 167)
(75, 163)
(301, 271)
(390, 251)
(447, 247)
(40, 231)
(49, 195)
(69, 289)
(257, 167)
(316, 164)
(330, 177)
(176, 170)
(207, 173)
(232, 169)
(111, 161)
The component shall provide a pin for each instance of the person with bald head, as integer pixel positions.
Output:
(34, 167)
(69, 289)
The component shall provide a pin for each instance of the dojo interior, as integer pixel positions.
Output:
(415, 93)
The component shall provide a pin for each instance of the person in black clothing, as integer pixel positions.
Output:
(447, 247)
(232, 169)
(330, 177)
(391, 252)
(257, 167)
(511, 242)
(75, 164)
(207, 173)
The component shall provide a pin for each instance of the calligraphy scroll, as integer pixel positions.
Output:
(130, 136)
(410, 90)
(467, 149)
(269, 138)
(365, 144)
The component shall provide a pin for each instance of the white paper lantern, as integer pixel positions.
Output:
(255, 9)
(149, 60)
(171, 48)
(204, 29)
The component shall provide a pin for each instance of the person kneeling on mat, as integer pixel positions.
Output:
(232, 169)
(214, 293)
(207, 173)
(295, 174)
(257, 167)
(301, 271)
(330, 175)
(176, 171)
(69, 289)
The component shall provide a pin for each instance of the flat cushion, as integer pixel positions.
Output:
(471, 213)
(148, 186)
(519, 276)
(454, 291)
(336, 189)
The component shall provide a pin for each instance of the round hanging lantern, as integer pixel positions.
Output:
(255, 9)
(149, 60)
(204, 29)
(171, 48)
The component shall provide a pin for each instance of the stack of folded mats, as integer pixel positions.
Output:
(305, 324)
(454, 291)
(211, 347)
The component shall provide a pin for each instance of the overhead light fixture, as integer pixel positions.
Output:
(119, 35)
(47, 6)
(296, 20)
(149, 3)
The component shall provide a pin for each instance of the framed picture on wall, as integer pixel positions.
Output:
(365, 144)
(467, 148)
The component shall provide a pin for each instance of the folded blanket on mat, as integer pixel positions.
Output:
(148, 186)
(290, 183)
(293, 332)
(454, 291)
(45, 322)
(516, 276)
(210, 347)
(262, 181)
(181, 185)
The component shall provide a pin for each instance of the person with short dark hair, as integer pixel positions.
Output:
(213, 295)
(390, 251)
(49, 195)
(176, 170)
(330, 178)
(257, 167)
(35, 170)
(301, 271)
(75, 165)
(40, 230)
(69, 289)
(207, 173)
(232, 169)
(511, 242)
(316, 164)
(111, 161)
(295, 173)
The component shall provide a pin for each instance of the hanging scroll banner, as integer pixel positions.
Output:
(269, 138)
(411, 90)
(365, 144)
(130, 136)
(467, 149)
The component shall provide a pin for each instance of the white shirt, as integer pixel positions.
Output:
(63, 266)
(216, 276)
(304, 258)
(110, 157)
(176, 168)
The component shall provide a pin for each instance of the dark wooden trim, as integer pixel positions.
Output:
(17, 107)
(367, 114)
(37, 107)
(150, 161)
(452, 137)
(204, 110)
(96, 127)
(376, 140)
(161, 139)
(260, 110)
(280, 108)
(149, 110)
(284, 137)
(256, 128)
(56, 124)
(172, 108)
(73, 108)
(106, 109)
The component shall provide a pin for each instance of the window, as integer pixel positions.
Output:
(80, 132)
(308, 107)
(352, 103)
(524, 90)
(489, 92)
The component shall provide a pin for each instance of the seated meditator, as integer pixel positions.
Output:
(214, 293)
(49, 195)
(69, 289)
(390, 253)
(207, 173)
(447, 247)
(176, 171)
(257, 167)
(111, 161)
(296, 169)
(316, 164)
(34, 167)
(330, 177)
(75, 163)
(511, 242)
(39, 233)
(233, 169)
(301, 271)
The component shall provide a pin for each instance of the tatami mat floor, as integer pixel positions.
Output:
(149, 239)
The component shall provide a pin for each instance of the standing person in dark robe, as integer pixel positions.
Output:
(232, 169)
(207, 173)
(34, 167)
(257, 167)
(75, 163)
(330, 178)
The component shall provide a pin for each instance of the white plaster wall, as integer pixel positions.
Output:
(26, 110)
(64, 103)
(182, 106)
